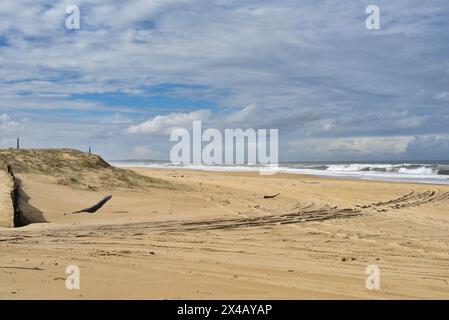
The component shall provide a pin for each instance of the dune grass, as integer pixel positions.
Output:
(76, 169)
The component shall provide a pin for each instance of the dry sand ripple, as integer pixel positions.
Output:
(215, 236)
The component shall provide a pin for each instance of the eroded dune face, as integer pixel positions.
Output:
(6, 208)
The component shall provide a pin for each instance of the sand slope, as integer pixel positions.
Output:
(6, 208)
(215, 236)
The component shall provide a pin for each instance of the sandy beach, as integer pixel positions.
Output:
(224, 150)
(213, 235)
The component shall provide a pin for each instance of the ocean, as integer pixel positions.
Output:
(436, 172)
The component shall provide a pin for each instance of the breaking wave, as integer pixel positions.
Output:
(432, 172)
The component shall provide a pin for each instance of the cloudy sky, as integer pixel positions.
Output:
(310, 68)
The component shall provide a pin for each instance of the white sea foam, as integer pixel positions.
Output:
(405, 172)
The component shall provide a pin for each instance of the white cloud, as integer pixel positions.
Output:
(361, 147)
(163, 125)
(7, 143)
(244, 115)
(442, 96)
(117, 118)
(326, 124)
(427, 146)
(145, 152)
(370, 145)
(314, 73)
(7, 126)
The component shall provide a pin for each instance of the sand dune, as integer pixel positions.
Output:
(213, 235)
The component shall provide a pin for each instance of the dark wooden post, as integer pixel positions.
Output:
(18, 143)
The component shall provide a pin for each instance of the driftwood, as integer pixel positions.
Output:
(96, 206)
(271, 197)
(23, 268)
(309, 182)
